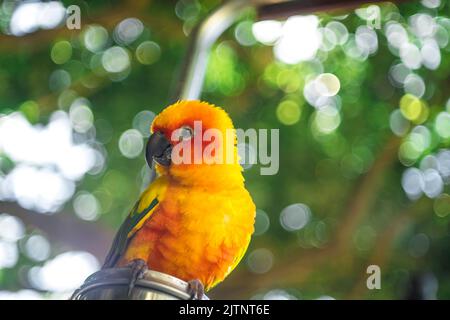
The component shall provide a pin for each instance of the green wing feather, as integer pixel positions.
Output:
(126, 232)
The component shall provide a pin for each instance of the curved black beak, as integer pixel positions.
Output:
(158, 149)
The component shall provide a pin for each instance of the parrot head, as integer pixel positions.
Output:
(192, 140)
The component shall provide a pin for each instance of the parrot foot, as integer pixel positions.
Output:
(138, 268)
(196, 289)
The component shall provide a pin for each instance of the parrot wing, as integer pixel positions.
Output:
(140, 213)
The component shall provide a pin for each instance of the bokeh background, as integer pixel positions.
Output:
(364, 119)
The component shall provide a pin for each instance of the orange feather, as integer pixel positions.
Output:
(203, 222)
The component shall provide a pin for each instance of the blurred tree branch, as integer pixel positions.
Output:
(65, 229)
(382, 251)
(108, 19)
(381, 254)
(366, 191)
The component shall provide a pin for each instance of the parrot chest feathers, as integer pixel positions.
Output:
(196, 234)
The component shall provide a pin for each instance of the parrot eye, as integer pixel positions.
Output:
(184, 133)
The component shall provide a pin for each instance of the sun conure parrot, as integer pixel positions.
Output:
(195, 220)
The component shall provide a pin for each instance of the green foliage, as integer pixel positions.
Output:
(347, 166)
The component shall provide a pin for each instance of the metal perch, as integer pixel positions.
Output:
(112, 284)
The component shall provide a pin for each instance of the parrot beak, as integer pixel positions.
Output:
(158, 149)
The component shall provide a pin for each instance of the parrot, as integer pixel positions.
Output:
(195, 219)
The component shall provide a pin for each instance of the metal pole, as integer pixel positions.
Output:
(289, 8)
(204, 36)
(192, 74)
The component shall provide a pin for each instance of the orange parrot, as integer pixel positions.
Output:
(195, 220)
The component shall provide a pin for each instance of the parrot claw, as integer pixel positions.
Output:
(196, 289)
(138, 268)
